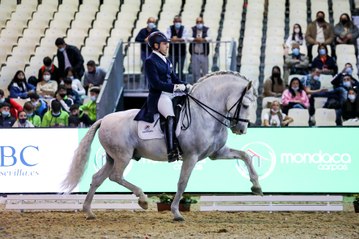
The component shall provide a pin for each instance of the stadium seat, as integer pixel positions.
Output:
(351, 122)
(325, 117)
(264, 112)
(319, 102)
(300, 117)
(325, 81)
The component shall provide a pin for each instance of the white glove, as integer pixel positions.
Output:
(179, 88)
(189, 87)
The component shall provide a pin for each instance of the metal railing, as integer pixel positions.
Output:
(222, 56)
(111, 92)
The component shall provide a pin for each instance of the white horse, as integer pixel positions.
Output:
(226, 96)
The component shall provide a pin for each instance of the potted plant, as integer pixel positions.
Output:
(165, 202)
(356, 203)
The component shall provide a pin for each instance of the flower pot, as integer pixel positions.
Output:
(356, 206)
(167, 207)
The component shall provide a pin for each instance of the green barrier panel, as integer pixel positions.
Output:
(288, 160)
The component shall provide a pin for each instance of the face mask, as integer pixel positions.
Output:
(47, 77)
(347, 84)
(69, 91)
(316, 77)
(71, 77)
(296, 52)
(29, 115)
(351, 97)
(2, 100)
(93, 98)
(344, 21)
(177, 25)
(320, 19)
(151, 25)
(35, 103)
(296, 30)
(199, 26)
(295, 88)
(21, 77)
(274, 111)
(322, 52)
(349, 71)
(56, 114)
(62, 49)
(62, 95)
(5, 113)
(22, 121)
(276, 74)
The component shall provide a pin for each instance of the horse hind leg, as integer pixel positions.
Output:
(97, 180)
(117, 176)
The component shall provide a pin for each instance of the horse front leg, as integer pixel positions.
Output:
(186, 170)
(228, 153)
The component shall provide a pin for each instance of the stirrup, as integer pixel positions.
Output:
(173, 156)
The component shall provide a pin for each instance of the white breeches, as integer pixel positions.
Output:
(164, 105)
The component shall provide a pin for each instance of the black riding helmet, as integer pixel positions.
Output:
(156, 37)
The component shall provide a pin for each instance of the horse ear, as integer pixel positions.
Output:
(249, 85)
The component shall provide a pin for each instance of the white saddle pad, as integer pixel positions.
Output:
(153, 130)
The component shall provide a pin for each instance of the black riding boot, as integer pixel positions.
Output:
(172, 152)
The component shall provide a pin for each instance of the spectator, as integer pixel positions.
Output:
(297, 36)
(49, 66)
(69, 56)
(14, 106)
(311, 82)
(18, 86)
(177, 33)
(46, 88)
(94, 76)
(31, 116)
(274, 85)
(6, 120)
(90, 107)
(325, 63)
(40, 105)
(71, 93)
(199, 49)
(61, 96)
(275, 117)
(350, 109)
(142, 37)
(294, 96)
(55, 117)
(295, 63)
(22, 121)
(76, 84)
(345, 31)
(319, 32)
(78, 118)
(347, 70)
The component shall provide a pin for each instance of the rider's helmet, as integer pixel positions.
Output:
(156, 37)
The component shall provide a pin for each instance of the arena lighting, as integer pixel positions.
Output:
(288, 160)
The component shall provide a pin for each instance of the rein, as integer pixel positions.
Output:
(233, 120)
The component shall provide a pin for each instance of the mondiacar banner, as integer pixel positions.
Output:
(287, 160)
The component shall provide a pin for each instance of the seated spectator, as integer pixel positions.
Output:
(78, 118)
(294, 96)
(319, 32)
(297, 37)
(274, 85)
(345, 31)
(325, 63)
(275, 117)
(31, 116)
(90, 107)
(18, 86)
(6, 120)
(75, 82)
(61, 96)
(46, 88)
(94, 76)
(55, 117)
(49, 66)
(295, 63)
(15, 107)
(71, 93)
(40, 105)
(22, 121)
(311, 82)
(338, 78)
(350, 108)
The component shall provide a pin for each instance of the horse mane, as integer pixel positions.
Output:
(218, 73)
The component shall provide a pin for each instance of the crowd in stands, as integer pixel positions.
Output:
(301, 82)
(63, 96)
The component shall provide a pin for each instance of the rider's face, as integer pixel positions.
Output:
(163, 48)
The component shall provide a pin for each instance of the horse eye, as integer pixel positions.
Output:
(245, 106)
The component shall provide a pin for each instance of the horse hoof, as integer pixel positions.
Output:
(178, 219)
(143, 204)
(91, 217)
(257, 191)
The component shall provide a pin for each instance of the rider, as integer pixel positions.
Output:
(162, 84)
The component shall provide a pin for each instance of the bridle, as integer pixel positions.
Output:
(233, 121)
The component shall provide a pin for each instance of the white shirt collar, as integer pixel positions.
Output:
(161, 56)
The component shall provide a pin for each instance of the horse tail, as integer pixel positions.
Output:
(80, 159)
